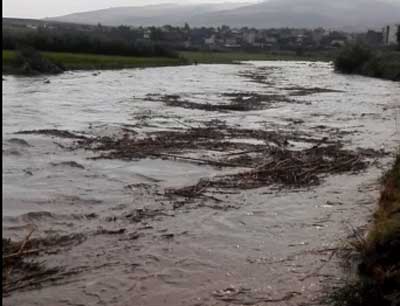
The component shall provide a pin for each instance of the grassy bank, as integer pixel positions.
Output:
(231, 57)
(378, 275)
(78, 61)
(75, 61)
(358, 59)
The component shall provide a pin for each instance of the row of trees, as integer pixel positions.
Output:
(398, 38)
(117, 41)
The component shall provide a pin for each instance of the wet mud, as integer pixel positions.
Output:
(220, 185)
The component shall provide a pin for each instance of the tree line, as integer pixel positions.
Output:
(110, 41)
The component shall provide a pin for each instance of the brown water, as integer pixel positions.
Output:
(258, 247)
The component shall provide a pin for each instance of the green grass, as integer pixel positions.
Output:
(231, 57)
(387, 218)
(78, 61)
(75, 61)
(8, 57)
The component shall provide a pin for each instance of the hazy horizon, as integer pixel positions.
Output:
(49, 8)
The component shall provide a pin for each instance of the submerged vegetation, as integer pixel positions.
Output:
(360, 59)
(378, 255)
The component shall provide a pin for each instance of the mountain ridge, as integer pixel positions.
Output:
(358, 15)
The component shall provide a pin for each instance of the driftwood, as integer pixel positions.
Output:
(292, 169)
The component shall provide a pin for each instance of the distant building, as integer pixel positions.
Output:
(317, 35)
(232, 42)
(32, 26)
(338, 42)
(390, 34)
(210, 40)
(373, 38)
(147, 34)
(250, 37)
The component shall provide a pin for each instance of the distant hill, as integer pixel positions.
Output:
(355, 15)
(150, 15)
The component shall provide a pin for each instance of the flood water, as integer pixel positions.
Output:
(251, 247)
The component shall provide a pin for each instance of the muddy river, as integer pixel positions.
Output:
(170, 186)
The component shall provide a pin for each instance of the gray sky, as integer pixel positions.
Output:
(50, 8)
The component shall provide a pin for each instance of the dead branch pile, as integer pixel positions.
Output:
(239, 101)
(21, 268)
(304, 91)
(53, 132)
(260, 75)
(163, 144)
(18, 270)
(286, 168)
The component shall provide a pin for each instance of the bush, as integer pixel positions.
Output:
(30, 61)
(352, 58)
(359, 59)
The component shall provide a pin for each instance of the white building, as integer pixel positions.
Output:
(210, 40)
(249, 37)
(390, 34)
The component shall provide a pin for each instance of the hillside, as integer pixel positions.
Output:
(357, 15)
(150, 15)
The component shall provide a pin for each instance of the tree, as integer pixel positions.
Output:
(353, 57)
(156, 34)
(187, 27)
(398, 36)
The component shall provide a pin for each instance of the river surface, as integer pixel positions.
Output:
(262, 246)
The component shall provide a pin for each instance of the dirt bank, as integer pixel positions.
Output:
(375, 255)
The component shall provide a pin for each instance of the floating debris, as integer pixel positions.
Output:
(21, 269)
(71, 164)
(239, 101)
(53, 132)
(286, 168)
(305, 91)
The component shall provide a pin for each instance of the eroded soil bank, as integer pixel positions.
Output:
(202, 185)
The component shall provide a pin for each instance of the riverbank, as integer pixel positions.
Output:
(79, 61)
(358, 59)
(233, 57)
(377, 280)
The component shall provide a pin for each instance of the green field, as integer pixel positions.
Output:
(74, 61)
(8, 57)
(78, 61)
(231, 57)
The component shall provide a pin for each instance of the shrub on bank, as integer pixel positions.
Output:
(360, 59)
(30, 61)
(352, 58)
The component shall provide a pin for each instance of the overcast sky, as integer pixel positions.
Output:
(50, 8)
